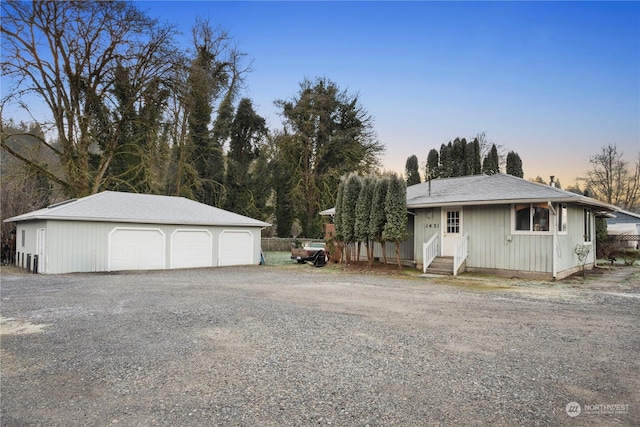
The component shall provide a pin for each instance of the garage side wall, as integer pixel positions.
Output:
(27, 242)
(77, 246)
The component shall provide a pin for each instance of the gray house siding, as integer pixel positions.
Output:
(78, 246)
(494, 246)
(427, 223)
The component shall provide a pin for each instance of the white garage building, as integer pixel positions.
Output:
(113, 231)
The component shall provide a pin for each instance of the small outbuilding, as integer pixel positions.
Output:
(114, 231)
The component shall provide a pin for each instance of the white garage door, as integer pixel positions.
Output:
(136, 249)
(191, 248)
(236, 247)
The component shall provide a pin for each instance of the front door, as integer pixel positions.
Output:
(451, 229)
(41, 250)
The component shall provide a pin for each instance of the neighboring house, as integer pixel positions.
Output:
(498, 224)
(112, 231)
(625, 228)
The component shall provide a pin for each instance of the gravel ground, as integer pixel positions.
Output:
(296, 345)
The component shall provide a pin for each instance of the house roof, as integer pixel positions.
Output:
(622, 216)
(112, 206)
(491, 189)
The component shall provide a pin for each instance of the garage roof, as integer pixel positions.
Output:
(112, 206)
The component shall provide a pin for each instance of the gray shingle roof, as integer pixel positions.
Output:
(139, 208)
(490, 189)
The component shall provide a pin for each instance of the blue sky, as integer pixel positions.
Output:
(553, 81)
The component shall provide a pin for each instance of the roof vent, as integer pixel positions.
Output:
(551, 181)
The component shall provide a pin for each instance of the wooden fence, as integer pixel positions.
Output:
(279, 244)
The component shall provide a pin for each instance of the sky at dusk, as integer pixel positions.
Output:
(553, 81)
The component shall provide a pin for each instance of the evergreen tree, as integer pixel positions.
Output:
(412, 170)
(514, 165)
(473, 162)
(337, 217)
(491, 163)
(333, 135)
(395, 208)
(432, 170)
(348, 215)
(246, 133)
(459, 157)
(446, 160)
(363, 215)
(378, 217)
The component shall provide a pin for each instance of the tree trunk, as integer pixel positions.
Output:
(398, 255)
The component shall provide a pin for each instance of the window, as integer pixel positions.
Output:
(531, 217)
(23, 234)
(587, 226)
(453, 221)
(562, 217)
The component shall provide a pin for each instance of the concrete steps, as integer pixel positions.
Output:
(442, 266)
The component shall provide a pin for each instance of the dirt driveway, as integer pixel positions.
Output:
(303, 346)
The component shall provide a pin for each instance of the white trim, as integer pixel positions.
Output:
(548, 232)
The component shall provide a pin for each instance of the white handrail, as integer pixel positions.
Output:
(460, 253)
(430, 251)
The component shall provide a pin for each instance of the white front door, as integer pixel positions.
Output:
(451, 229)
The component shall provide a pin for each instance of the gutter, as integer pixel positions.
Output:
(554, 249)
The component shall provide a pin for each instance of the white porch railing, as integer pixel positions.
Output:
(460, 253)
(430, 251)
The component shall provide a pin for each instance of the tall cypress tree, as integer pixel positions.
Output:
(349, 199)
(378, 217)
(412, 170)
(395, 208)
(432, 171)
(491, 163)
(514, 164)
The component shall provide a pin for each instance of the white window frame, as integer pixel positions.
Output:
(587, 228)
(531, 231)
(563, 218)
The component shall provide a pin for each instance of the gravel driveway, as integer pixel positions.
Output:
(303, 346)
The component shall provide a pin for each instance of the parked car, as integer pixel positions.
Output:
(310, 252)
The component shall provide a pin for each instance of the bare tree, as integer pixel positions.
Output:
(64, 56)
(612, 180)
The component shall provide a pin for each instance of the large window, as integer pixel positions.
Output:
(587, 225)
(531, 217)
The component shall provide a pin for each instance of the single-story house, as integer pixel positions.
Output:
(113, 231)
(624, 226)
(498, 224)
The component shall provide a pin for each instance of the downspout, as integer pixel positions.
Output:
(554, 262)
